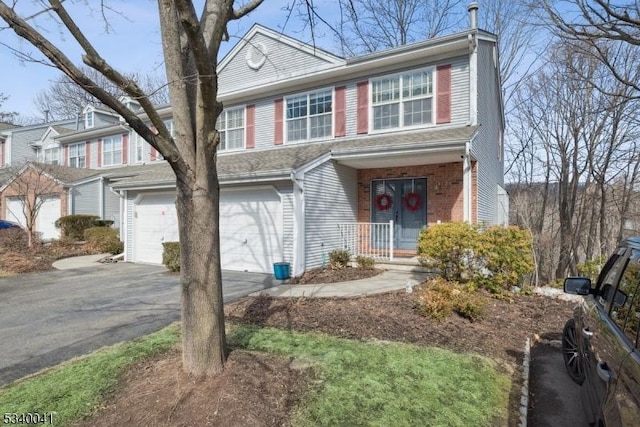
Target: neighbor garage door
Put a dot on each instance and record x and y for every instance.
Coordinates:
(48, 214)
(14, 211)
(250, 229)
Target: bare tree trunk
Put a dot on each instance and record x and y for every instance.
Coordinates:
(203, 336)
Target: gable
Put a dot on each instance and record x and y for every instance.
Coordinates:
(264, 56)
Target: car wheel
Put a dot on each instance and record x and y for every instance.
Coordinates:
(571, 353)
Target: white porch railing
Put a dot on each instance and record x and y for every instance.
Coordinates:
(373, 240)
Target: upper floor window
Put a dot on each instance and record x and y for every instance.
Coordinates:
(112, 150)
(77, 155)
(402, 100)
(309, 116)
(52, 156)
(230, 125)
(139, 146)
(88, 119)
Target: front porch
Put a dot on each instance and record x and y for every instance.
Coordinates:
(394, 204)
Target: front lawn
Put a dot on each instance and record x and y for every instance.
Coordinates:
(349, 382)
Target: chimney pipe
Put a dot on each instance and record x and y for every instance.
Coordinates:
(473, 15)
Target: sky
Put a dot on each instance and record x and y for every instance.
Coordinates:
(131, 44)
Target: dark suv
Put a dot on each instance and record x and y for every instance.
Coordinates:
(601, 345)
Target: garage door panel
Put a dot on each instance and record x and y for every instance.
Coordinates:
(48, 213)
(15, 211)
(250, 229)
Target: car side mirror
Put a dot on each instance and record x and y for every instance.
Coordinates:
(577, 285)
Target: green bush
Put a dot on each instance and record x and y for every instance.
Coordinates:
(591, 268)
(448, 247)
(365, 262)
(73, 226)
(171, 256)
(104, 239)
(438, 298)
(339, 258)
(507, 254)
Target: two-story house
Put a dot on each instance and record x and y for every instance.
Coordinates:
(313, 144)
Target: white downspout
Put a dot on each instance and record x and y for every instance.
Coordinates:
(298, 266)
(466, 184)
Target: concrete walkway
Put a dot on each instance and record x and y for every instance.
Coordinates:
(390, 280)
(79, 262)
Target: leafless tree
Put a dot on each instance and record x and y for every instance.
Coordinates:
(5, 116)
(608, 30)
(30, 185)
(190, 45)
(367, 26)
(64, 99)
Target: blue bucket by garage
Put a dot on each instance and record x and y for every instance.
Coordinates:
(281, 270)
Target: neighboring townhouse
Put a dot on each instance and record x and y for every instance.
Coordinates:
(41, 189)
(18, 144)
(319, 152)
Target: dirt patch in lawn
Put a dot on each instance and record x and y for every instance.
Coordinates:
(260, 390)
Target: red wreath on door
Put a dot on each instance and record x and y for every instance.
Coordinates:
(383, 202)
(412, 201)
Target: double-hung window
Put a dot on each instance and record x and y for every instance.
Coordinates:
(88, 119)
(139, 147)
(51, 155)
(230, 125)
(403, 100)
(77, 155)
(112, 150)
(309, 116)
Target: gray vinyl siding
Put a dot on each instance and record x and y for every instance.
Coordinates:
(86, 199)
(331, 197)
(112, 207)
(485, 146)
(21, 151)
(100, 119)
(283, 61)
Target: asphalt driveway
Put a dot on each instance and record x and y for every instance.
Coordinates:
(50, 317)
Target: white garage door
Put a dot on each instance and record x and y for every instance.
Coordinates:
(155, 222)
(48, 213)
(250, 229)
(14, 211)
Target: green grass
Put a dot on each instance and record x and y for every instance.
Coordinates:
(75, 388)
(358, 383)
(382, 384)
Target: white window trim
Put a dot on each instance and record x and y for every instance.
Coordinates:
(434, 103)
(78, 156)
(244, 129)
(118, 161)
(307, 93)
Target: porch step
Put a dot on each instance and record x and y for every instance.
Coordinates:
(404, 264)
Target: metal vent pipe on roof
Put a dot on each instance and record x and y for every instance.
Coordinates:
(473, 15)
